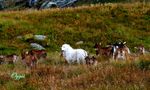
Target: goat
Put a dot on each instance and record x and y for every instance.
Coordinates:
(140, 50)
(91, 60)
(104, 51)
(29, 58)
(2, 59)
(120, 54)
(40, 53)
(10, 59)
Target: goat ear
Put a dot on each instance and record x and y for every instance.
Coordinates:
(135, 47)
(119, 43)
(100, 43)
(124, 42)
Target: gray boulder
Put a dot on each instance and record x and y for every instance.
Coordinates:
(37, 46)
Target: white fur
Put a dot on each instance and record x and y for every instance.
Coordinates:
(15, 58)
(121, 56)
(73, 55)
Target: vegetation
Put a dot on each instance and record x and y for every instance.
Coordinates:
(55, 74)
(95, 23)
(90, 24)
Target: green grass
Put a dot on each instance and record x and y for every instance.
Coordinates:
(106, 24)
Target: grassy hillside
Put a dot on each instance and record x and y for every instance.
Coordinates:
(90, 24)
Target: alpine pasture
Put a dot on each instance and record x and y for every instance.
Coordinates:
(93, 23)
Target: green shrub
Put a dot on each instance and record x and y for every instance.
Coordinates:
(143, 64)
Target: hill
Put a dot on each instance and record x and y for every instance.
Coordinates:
(95, 23)
(90, 24)
(37, 4)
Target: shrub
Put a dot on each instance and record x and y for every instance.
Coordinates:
(143, 64)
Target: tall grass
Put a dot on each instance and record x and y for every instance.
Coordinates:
(52, 75)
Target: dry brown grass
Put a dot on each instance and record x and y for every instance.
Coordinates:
(57, 75)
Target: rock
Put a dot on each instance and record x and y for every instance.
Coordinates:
(39, 37)
(37, 46)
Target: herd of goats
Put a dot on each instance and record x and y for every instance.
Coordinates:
(117, 51)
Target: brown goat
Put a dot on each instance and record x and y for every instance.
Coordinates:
(10, 59)
(104, 51)
(40, 53)
(91, 60)
(29, 58)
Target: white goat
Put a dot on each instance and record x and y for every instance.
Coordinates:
(73, 55)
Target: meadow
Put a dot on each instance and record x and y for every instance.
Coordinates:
(93, 23)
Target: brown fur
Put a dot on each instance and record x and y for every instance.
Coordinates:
(104, 51)
(40, 53)
(132, 57)
(29, 58)
(8, 58)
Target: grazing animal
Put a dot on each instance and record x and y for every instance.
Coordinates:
(104, 51)
(120, 54)
(122, 51)
(116, 51)
(29, 59)
(40, 53)
(73, 55)
(91, 60)
(1, 59)
(123, 45)
(10, 59)
(140, 50)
